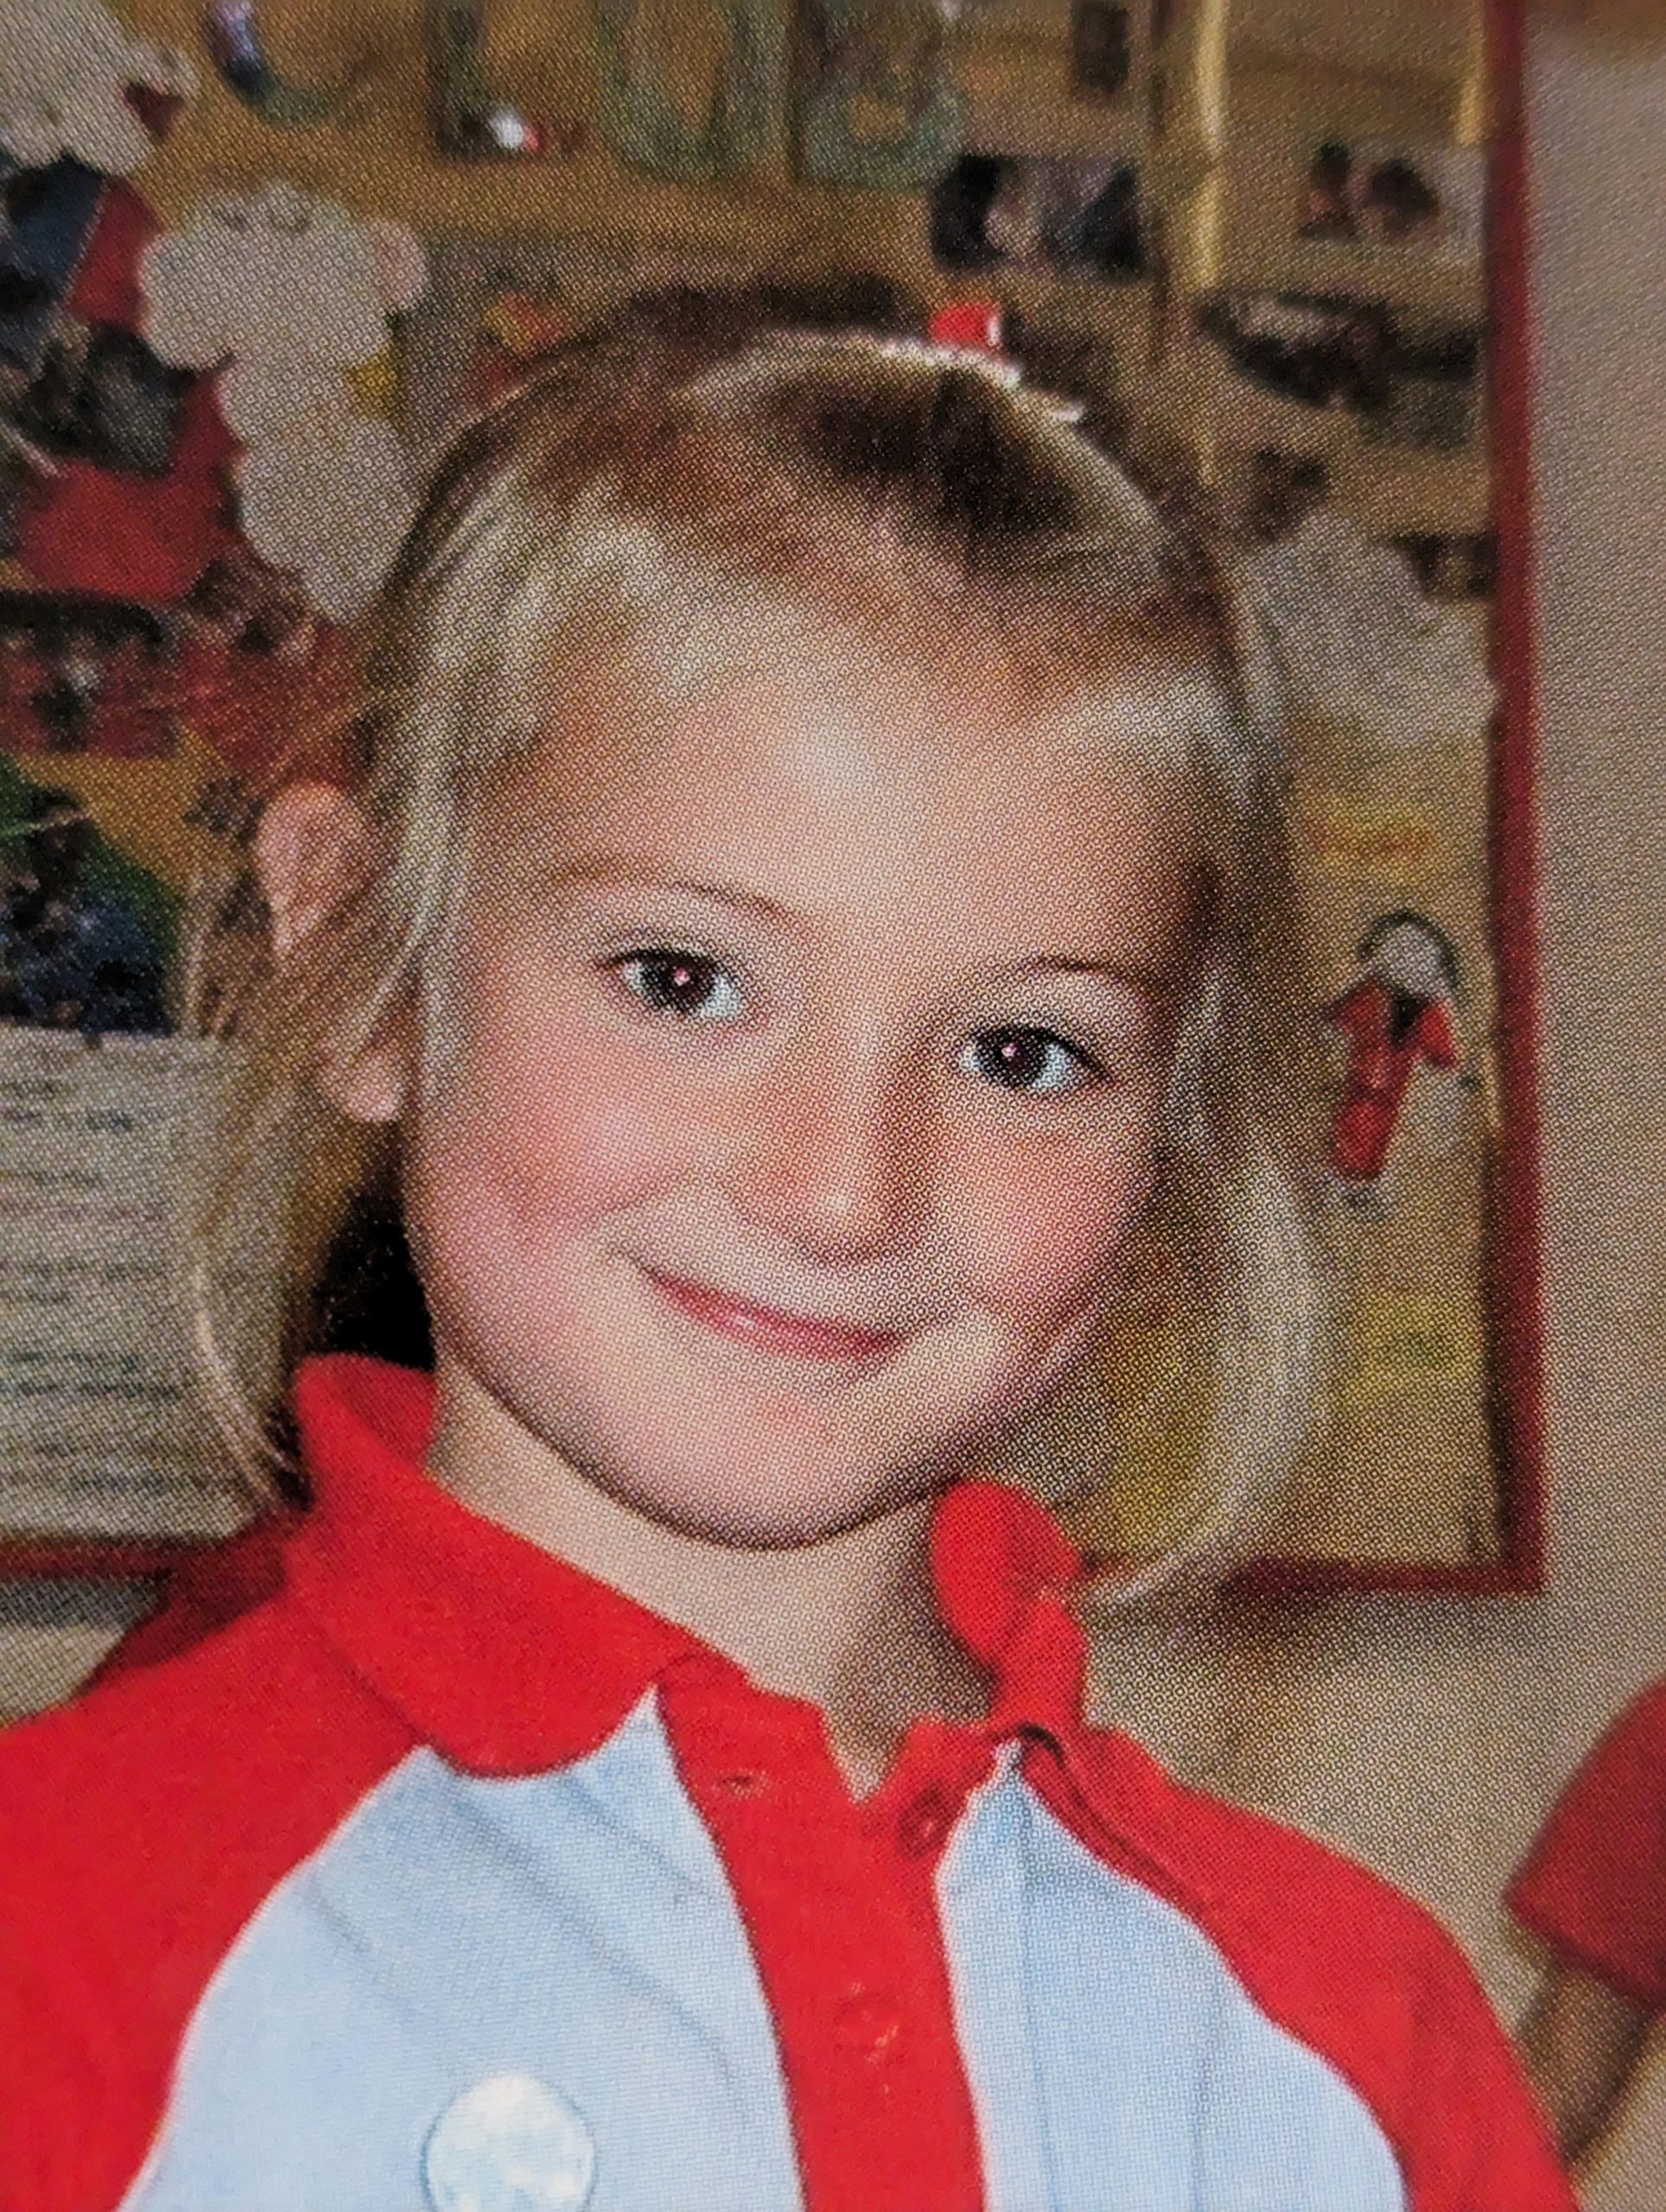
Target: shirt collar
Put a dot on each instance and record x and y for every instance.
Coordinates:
(510, 1661)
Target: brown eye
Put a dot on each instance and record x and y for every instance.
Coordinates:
(1027, 1060)
(689, 985)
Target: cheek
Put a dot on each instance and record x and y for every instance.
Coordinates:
(1043, 1232)
(545, 1128)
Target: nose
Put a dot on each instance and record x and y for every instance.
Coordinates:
(839, 1159)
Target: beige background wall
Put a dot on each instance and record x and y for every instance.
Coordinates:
(1430, 1736)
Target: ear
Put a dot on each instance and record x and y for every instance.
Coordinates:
(310, 848)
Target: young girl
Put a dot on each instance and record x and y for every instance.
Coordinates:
(811, 897)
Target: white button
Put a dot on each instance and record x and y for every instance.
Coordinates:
(509, 2145)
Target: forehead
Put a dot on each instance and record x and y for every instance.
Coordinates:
(864, 794)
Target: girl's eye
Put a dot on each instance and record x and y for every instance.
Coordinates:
(1027, 1059)
(686, 984)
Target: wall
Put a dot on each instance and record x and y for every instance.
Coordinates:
(1428, 1736)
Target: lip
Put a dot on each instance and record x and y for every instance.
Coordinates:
(794, 1336)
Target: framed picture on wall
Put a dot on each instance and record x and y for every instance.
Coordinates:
(108, 808)
(107, 1462)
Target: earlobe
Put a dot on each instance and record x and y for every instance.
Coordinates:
(370, 1088)
(310, 848)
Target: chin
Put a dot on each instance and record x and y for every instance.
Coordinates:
(747, 1501)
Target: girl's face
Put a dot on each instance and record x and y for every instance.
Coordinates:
(803, 1053)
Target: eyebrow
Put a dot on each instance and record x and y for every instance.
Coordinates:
(621, 870)
(1159, 982)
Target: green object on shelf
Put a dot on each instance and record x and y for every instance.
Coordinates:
(905, 73)
(747, 121)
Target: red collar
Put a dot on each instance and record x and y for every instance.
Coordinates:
(511, 1662)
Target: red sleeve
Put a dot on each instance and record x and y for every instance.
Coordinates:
(1367, 1979)
(1593, 1886)
(1373, 1981)
(1472, 2136)
(141, 1827)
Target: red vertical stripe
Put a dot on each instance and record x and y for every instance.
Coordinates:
(842, 1923)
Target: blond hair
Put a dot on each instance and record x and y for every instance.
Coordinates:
(693, 479)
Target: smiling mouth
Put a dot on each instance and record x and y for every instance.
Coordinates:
(795, 1336)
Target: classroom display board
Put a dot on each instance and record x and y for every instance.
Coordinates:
(1275, 244)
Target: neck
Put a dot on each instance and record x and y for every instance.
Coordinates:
(847, 1622)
